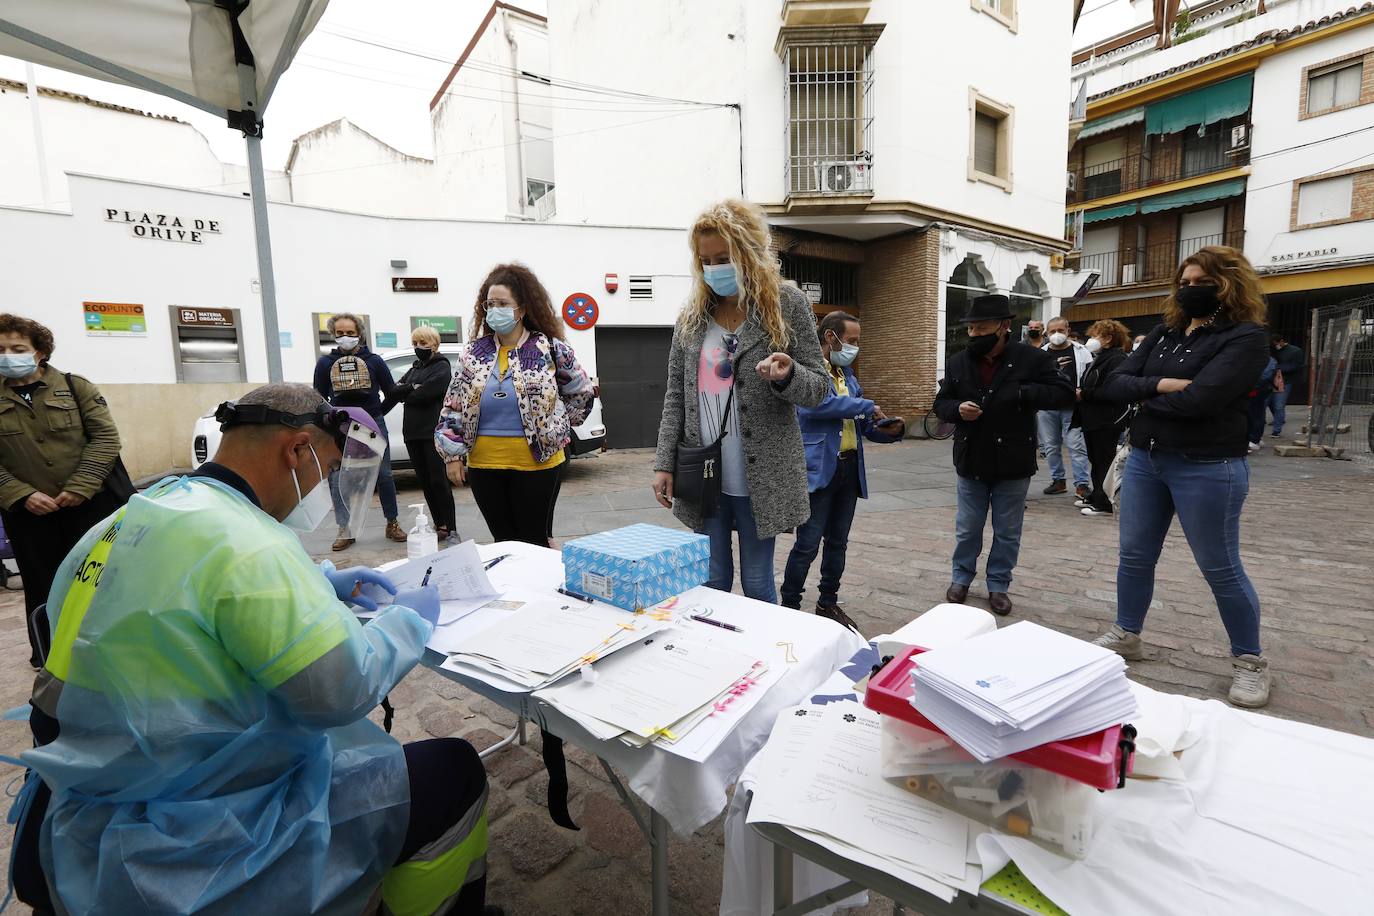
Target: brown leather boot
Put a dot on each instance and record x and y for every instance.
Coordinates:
(394, 531)
(343, 541)
(1000, 602)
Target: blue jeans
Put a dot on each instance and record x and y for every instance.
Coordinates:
(832, 514)
(755, 553)
(1054, 433)
(1277, 401)
(1007, 499)
(1207, 494)
(386, 486)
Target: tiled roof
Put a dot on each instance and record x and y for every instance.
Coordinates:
(1274, 35)
(7, 85)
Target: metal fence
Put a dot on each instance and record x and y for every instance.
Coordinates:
(1341, 376)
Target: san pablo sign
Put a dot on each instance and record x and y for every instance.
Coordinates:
(1303, 255)
(164, 227)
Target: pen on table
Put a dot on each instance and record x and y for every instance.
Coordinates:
(425, 580)
(494, 560)
(717, 623)
(571, 594)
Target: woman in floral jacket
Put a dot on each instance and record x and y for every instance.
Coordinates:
(516, 394)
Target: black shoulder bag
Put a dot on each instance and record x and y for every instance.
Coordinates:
(697, 478)
(117, 482)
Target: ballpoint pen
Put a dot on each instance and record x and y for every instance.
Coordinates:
(494, 560)
(425, 580)
(716, 623)
(572, 594)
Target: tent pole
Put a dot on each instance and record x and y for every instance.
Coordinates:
(258, 186)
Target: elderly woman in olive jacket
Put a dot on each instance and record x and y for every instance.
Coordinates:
(769, 381)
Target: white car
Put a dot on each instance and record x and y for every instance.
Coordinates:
(587, 439)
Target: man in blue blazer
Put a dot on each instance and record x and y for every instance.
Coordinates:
(833, 433)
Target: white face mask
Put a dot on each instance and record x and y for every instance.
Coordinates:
(1093, 345)
(1058, 339)
(347, 343)
(312, 508)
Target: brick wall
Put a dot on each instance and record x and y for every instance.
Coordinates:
(899, 290)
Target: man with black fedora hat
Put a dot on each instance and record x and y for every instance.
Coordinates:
(991, 391)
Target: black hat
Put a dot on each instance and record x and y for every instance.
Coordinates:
(989, 308)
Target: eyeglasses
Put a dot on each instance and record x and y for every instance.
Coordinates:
(725, 369)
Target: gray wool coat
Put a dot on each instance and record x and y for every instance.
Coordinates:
(775, 464)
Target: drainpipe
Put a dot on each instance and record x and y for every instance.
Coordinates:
(519, 134)
(38, 148)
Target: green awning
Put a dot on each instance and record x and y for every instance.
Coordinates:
(1112, 122)
(1105, 213)
(1201, 106)
(1199, 195)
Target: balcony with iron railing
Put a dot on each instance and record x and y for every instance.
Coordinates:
(1148, 263)
(1135, 173)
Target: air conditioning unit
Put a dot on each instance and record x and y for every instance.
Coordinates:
(1128, 273)
(844, 176)
(1240, 136)
(1071, 182)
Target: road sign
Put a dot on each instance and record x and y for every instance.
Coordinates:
(580, 311)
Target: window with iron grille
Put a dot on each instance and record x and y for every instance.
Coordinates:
(641, 287)
(829, 104)
(825, 282)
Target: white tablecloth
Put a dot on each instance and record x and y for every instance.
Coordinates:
(688, 794)
(1269, 816)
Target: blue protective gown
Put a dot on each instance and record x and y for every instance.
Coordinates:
(212, 693)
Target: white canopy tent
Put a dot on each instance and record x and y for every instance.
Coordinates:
(221, 56)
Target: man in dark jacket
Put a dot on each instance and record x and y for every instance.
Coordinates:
(992, 390)
(1290, 361)
(351, 375)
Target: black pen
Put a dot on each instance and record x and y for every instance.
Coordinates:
(494, 560)
(425, 580)
(570, 594)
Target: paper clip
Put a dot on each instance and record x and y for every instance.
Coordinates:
(667, 734)
(589, 658)
(791, 658)
(627, 626)
(669, 604)
(660, 615)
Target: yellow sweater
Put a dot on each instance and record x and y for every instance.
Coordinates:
(507, 453)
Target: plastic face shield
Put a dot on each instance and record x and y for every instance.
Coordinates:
(360, 442)
(354, 482)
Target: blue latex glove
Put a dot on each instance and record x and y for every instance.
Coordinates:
(348, 584)
(423, 601)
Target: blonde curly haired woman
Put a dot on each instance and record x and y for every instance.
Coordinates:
(741, 330)
(1190, 379)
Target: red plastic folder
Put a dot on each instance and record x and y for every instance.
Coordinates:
(1101, 759)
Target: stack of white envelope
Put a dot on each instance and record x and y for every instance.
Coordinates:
(1023, 686)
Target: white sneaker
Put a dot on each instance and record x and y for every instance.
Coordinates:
(1091, 512)
(1254, 447)
(1249, 681)
(1080, 504)
(1123, 643)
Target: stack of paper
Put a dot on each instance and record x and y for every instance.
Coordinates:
(659, 690)
(546, 640)
(457, 572)
(820, 776)
(1020, 687)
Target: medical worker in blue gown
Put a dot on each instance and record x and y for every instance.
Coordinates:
(201, 717)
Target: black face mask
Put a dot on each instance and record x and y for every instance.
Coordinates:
(423, 354)
(979, 347)
(1197, 301)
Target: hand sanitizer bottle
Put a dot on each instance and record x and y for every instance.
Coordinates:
(421, 540)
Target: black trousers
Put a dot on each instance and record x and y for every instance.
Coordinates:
(429, 471)
(516, 505)
(41, 543)
(1101, 447)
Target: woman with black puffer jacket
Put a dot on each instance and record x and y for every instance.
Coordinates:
(1189, 381)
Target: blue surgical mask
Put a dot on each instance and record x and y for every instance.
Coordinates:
(17, 365)
(721, 278)
(845, 355)
(501, 319)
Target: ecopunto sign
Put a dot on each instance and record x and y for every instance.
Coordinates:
(163, 227)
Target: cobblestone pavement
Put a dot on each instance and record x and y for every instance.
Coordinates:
(1307, 541)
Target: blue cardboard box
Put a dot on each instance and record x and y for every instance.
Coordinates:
(637, 566)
